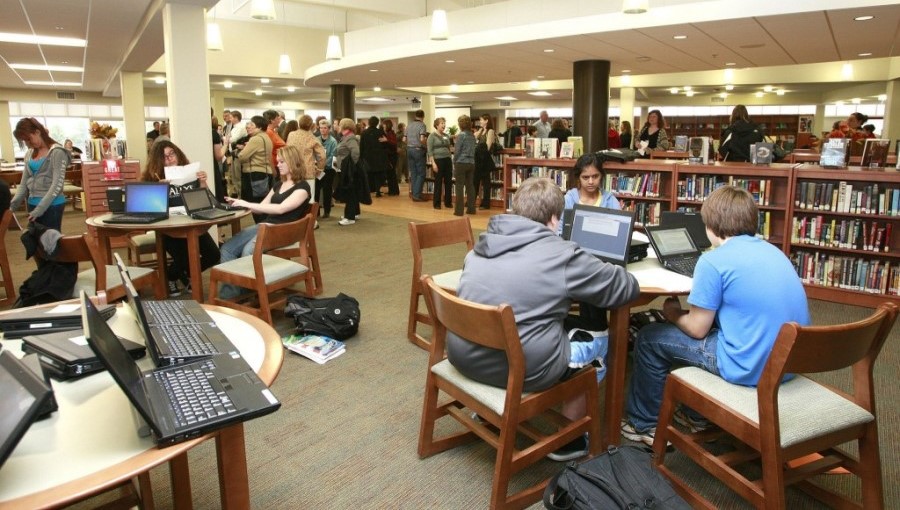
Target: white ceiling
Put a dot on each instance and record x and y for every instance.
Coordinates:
(127, 35)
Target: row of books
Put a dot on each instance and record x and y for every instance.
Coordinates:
(698, 187)
(845, 198)
(645, 185)
(549, 148)
(496, 189)
(764, 228)
(645, 213)
(320, 349)
(558, 175)
(851, 234)
(849, 273)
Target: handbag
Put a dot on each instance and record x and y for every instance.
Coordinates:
(259, 187)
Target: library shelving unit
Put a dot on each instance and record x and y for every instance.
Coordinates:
(841, 233)
(712, 125)
(517, 169)
(645, 186)
(497, 186)
(769, 185)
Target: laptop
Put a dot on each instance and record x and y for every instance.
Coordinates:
(66, 355)
(201, 205)
(145, 202)
(175, 331)
(21, 322)
(604, 233)
(692, 221)
(185, 401)
(24, 395)
(674, 248)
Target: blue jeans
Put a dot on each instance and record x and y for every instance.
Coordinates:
(240, 245)
(416, 159)
(658, 348)
(52, 217)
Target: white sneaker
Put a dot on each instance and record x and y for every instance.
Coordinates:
(345, 222)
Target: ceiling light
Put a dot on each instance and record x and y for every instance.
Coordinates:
(768, 88)
(42, 67)
(333, 51)
(284, 64)
(679, 37)
(674, 90)
(450, 61)
(540, 76)
(506, 98)
(729, 87)
(863, 18)
(779, 92)
(730, 64)
(549, 50)
(724, 95)
(258, 92)
(729, 75)
(214, 37)
(291, 88)
(446, 96)
(228, 84)
(626, 79)
(470, 82)
(376, 88)
(882, 97)
(635, 6)
(688, 88)
(454, 87)
(373, 70)
(533, 84)
(542, 93)
(866, 54)
(626, 71)
(262, 9)
(47, 40)
(847, 71)
(159, 80)
(378, 100)
(839, 103)
(689, 93)
(54, 83)
(856, 100)
(760, 94)
(440, 30)
(264, 80)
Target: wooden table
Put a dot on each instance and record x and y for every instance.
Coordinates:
(177, 225)
(91, 444)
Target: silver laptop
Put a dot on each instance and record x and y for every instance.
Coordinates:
(201, 205)
(604, 233)
(674, 248)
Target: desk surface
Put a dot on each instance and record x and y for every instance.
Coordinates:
(174, 222)
(91, 443)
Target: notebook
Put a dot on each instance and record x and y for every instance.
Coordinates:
(692, 221)
(201, 205)
(24, 394)
(184, 401)
(20, 322)
(175, 331)
(145, 202)
(674, 248)
(604, 233)
(66, 354)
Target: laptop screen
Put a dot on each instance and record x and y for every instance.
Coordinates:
(672, 241)
(604, 233)
(23, 394)
(146, 197)
(133, 299)
(196, 199)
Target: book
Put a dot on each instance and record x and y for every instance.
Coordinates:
(567, 150)
(761, 153)
(681, 143)
(577, 146)
(834, 153)
(315, 347)
(875, 153)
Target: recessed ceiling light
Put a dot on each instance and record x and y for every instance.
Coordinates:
(59, 27)
(674, 90)
(549, 50)
(723, 95)
(446, 96)
(856, 100)
(540, 93)
(506, 98)
(48, 40)
(264, 80)
(688, 88)
(470, 82)
(729, 88)
(863, 18)
(689, 93)
(42, 67)
(626, 79)
(679, 37)
(534, 84)
(373, 70)
(540, 76)
(768, 88)
(730, 63)
(292, 88)
(454, 87)
(450, 61)
(159, 80)
(54, 83)
(228, 84)
(63, 61)
(779, 92)
(626, 71)
(760, 94)
(377, 99)
(882, 97)
(258, 92)
(643, 59)
(336, 80)
(376, 88)
(866, 54)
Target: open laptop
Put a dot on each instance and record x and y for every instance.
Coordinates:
(20, 322)
(184, 401)
(674, 248)
(604, 233)
(65, 355)
(201, 205)
(145, 202)
(24, 394)
(692, 221)
(175, 331)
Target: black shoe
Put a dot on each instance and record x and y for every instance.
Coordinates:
(438, 207)
(574, 449)
(378, 195)
(470, 212)
(174, 291)
(448, 206)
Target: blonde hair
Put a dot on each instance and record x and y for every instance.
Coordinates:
(539, 199)
(347, 124)
(291, 155)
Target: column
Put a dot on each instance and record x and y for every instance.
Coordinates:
(7, 149)
(218, 105)
(132, 85)
(343, 102)
(590, 102)
(891, 127)
(187, 83)
(429, 109)
(626, 108)
(819, 121)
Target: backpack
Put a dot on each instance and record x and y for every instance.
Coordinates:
(622, 477)
(336, 317)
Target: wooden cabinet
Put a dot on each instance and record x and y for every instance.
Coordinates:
(644, 186)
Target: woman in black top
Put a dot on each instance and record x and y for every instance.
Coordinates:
(625, 134)
(738, 136)
(654, 133)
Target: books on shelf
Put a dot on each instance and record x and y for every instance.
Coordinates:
(850, 234)
(320, 349)
(847, 197)
(643, 184)
(875, 153)
(847, 272)
(698, 187)
(834, 153)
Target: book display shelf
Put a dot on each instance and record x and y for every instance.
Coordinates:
(644, 186)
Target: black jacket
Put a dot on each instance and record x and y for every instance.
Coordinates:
(737, 138)
(372, 150)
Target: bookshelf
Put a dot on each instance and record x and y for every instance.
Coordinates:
(780, 126)
(497, 187)
(643, 186)
(517, 169)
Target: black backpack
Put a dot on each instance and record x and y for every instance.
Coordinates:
(336, 317)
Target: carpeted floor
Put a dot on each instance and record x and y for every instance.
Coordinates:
(346, 434)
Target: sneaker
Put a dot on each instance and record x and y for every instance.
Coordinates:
(632, 434)
(174, 290)
(186, 284)
(317, 225)
(694, 425)
(574, 449)
(345, 222)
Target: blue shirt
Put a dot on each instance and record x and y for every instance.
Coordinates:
(753, 288)
(465, 148)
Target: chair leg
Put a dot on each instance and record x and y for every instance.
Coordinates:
(870, 469)
(429, 416)
(265, 313)
(413, 311)
(503, 466)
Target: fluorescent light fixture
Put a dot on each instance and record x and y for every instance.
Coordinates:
(724, 95)
(549, 50)
(635, 6)
(626, 79)
(450, 61)
(376, 88)
(729, 87)
(760, 94)
(779, 92)
(542, 93)
(768, 88)
(376, 99)
(54, 83)
(679, 37)
(689, 93)
(446, 96)
(264, 80)
(440, 30)
(882, 97)
(262, 9)
(866, 54)
(258, 92)
(214, 37)
(730, 63)
(159, 80)
(863, 18)
(291, 88)
(333, 51)
(626, 71)
(454, 87)
(48, 40)
(688, 88)
(228, 84)
(42, 67)
(729, 75)
(534, 84)
(856, 100)
(506, 98)
(674, 90)
(847, 71)
(284, 64)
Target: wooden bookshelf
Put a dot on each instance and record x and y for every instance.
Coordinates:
(643, 186)
(517, 169)
(712, 125)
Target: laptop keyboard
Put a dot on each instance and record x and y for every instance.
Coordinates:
(130, 218)
(168, 312)
(682, 266)
(194, 399)
(187, 340)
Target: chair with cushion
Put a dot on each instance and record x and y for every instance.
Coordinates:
(433, 235)
(269, 277)
(792, 428)
(505, 413)
(83, 248)
(142, 244)
(7, 283)
(293, 252)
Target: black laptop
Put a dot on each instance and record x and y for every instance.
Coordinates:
(674, 248)
(604, 233)
(64, 316)
(66, 354)
(24, 394)
(692, 221)
(145, 202)
(201, 205)
(184, 401)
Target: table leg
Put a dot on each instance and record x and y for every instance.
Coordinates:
(180, 476)
(162, 291)
(617, 358)
(234, 485)
(193, 243)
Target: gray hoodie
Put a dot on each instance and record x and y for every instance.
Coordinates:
(524, 264)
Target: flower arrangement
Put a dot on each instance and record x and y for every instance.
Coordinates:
(102, 130)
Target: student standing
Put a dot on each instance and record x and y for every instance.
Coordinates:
(464, 166)
(439, 150)
(738, 136)
(44, 175)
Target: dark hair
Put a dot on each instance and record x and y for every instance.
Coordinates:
(487, 122)
(740, 112)
(29, 125)
(156, 160)
(290, 127)
(235, 113)
(586, 160)
(305, 122)
(260, 122)
(388, 124)
(269, 115)
(870, 128)
(373, 121)
(861, 118)
(660, 123)
(420, 114)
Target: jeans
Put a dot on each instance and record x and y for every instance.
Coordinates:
(657, 349)
(443, 180)
(240, 245)
(52, 217)
(416, 160)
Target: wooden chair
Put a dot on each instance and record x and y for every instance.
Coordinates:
(7, 282)
(142, 244)
(83, 248)
(72, 188)
(431, 235)
(779, 423)
(505, 411)
(293, 252)
(268, 276)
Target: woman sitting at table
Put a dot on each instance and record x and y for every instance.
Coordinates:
(287, 201)
(164, 153)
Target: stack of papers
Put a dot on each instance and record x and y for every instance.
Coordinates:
(315, 347)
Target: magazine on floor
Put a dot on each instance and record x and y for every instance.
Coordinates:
(320, 349)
